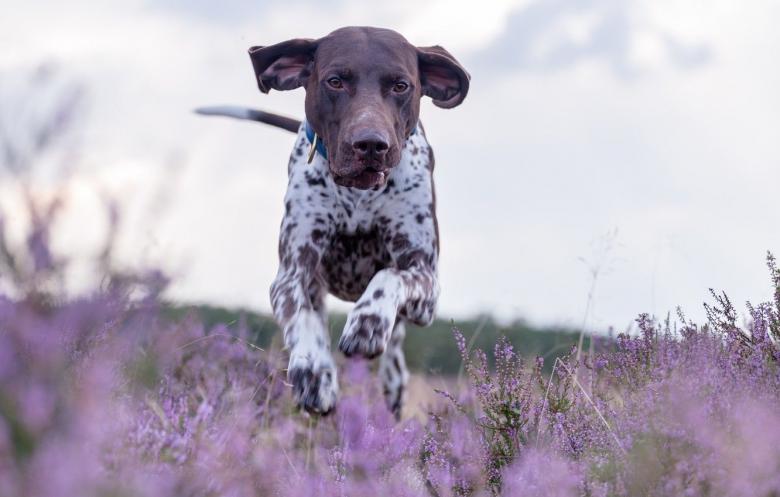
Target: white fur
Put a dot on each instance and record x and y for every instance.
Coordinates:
(317, 210)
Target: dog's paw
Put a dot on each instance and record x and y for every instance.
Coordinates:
(421, 311)
(314, 383)
(367, 331)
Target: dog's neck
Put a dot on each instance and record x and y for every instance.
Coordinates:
(361, 205)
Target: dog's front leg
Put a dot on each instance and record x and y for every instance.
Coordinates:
(410, 290)
(296, 298)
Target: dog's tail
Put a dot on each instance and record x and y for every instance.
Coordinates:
(283, 122)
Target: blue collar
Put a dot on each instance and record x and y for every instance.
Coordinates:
(320, 143)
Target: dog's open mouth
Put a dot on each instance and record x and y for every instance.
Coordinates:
(365, 179)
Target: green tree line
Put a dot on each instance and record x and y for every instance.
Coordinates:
(428, 350)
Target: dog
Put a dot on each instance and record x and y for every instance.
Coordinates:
(360, 208)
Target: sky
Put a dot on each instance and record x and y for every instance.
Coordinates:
(613, 156)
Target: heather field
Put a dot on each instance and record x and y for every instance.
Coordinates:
(112, 394)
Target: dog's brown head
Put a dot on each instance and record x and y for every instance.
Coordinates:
(363, 89)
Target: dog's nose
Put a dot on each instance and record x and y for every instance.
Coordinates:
(370, 145)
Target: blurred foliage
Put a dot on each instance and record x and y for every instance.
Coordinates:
(428, 350)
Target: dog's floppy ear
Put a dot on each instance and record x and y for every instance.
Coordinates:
(284, 66)
(442, 77)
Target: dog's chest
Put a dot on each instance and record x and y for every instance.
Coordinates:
(356, 211)
(356, 229)
(351, 260)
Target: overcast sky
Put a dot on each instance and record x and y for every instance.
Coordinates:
(639, 138)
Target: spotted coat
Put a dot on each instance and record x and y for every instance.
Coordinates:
(378, 248)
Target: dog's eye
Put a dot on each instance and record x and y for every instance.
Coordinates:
(335, 82)
(400, 87)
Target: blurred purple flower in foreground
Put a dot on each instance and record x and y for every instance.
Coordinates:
(103, 395)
